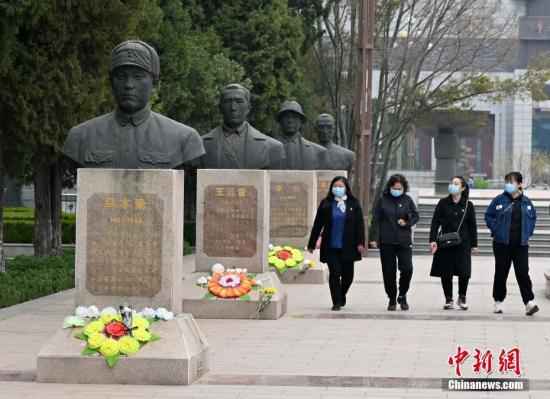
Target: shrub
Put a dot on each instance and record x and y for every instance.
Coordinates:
(30, 277)
(480, 183)
(19, 226)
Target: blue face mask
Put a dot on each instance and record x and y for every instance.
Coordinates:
(396, 193)
(510, 188)
(454, 189)
(339, 191)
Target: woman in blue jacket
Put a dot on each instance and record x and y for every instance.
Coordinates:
(511, 217)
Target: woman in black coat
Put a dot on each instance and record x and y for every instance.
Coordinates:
(393, 217)
(339, 222)
(456, 260)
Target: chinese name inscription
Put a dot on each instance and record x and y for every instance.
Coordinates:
(289, 213)
(230, 221)
(124, 245)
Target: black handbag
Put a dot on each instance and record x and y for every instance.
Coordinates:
(453, 239)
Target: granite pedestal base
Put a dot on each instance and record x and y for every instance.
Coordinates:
(196, 302)
(179, 358)
(315, 275)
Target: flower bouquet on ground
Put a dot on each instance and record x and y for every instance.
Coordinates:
(111, 333)
(225, 283)
(284, 258)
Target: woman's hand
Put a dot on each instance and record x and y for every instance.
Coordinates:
(433, 247)
(475, 250)
(318, 243)
(373, 244)
(361, 249)
(402, 222)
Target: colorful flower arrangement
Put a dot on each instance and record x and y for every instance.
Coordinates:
(283, 258)
(229, 283)
(111, 333)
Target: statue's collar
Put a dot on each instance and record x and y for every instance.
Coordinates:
(291, 139)
(232, 130)
(135, 119)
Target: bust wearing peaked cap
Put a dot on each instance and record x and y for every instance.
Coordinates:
(132, 136)
(301, 154)
(337, 157)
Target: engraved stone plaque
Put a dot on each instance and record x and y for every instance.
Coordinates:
(230, 221)
(124, 241)
(289, 210)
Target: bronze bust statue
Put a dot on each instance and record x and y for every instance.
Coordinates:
(237, 144)
(132, 136)
(337, 157)
(301, 154)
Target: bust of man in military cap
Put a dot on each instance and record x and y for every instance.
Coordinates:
(301, 154)
(237, 144)
(132, 136)
(337, 157)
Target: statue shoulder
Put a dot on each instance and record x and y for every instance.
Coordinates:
(211, 134)
(343, 150)
(91, 124)
(257, 135)
(173, 127)
(314, 146)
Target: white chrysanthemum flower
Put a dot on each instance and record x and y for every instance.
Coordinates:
(202, 280)
(218, 268)
(93, 312)
(81, 311)
(109, 310)
(148, 313)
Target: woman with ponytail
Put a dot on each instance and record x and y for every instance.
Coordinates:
(453, 237)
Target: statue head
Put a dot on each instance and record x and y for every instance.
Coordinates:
(325, 128)
(235, 104)
(135, 69)
(291, 118)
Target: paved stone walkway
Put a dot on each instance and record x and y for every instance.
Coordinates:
(361, 352)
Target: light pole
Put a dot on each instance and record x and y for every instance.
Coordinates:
(363, 102)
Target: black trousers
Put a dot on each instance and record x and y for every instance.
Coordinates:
(395, 257)
(505, 255)
(447, 284)
(340, 276)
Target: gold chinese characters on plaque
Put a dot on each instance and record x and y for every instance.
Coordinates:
(124, 245)
(289, 213)
(322, 189)
(230, 221)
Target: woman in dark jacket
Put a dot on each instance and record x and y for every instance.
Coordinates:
(339, 222)
(454, 260)
(393, 217)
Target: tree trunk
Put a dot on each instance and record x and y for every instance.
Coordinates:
(47, 213)
(2, 191)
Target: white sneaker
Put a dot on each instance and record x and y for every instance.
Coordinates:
(498, 307)
(461, 302)
(531, 308)
(449, 305)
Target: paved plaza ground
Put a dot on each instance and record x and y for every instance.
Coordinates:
(360, 352)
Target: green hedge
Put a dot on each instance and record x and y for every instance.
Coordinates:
(19, 226)
(30, 277)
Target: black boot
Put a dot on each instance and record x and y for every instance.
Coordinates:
(403, 302)
(392, 305)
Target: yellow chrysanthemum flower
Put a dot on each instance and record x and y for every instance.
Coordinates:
(142, 335)
(270, 290)
(107, 318)
(94, 327)
(272, 260)
(96, 340)
(140, 322)
(290, 263)
(110, 348)
(279, 264)
(128, 345)
(277, 248)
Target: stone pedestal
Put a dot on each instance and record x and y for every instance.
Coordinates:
(232, 219)
(129, 238)
(179, 358)
(232, 229)
(293, 206)
(324, 178)
(203, 307)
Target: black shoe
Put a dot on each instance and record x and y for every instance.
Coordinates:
(402, 300)
(392, 306)
(336, 308)
(343, 302)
